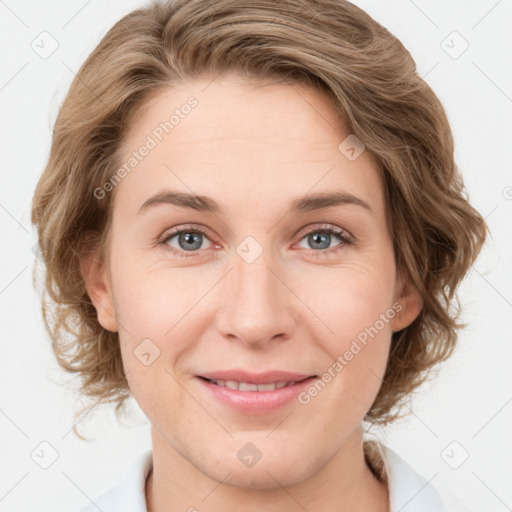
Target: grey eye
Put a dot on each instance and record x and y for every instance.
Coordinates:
(187, 240)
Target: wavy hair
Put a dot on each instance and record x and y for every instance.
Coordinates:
(330, 45)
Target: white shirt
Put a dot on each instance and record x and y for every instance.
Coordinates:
(408, 491)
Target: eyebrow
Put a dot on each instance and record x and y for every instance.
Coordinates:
(304, 204)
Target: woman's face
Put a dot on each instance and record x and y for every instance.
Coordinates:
(255, 283)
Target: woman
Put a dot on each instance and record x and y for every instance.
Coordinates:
(252, 223)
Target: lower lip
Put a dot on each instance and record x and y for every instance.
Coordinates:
(256, 402)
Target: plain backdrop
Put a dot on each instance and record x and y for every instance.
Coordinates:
(465, 412)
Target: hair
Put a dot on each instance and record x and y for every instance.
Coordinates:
(329, 45)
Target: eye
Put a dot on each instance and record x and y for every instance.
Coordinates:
(320, 237)
(190, 240)
(187, 240)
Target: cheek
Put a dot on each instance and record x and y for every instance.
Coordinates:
(352, 298)
(355, 307)
(152, 298)
(151, 309)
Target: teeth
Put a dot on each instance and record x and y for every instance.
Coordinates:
(266, 387)
(243, 386)
(246, 386)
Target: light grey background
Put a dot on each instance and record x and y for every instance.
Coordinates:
(469, 403)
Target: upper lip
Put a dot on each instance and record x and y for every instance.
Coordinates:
(255, 378)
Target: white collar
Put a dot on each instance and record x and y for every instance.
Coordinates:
(408, 491)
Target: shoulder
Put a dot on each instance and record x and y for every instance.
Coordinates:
(411, 492)
(129, 493)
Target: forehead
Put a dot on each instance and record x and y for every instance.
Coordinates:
(241, 138)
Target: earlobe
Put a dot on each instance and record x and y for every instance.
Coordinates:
(411, 303)
(98, 286)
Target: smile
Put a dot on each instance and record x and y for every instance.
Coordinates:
(248, 397)
(247, 386)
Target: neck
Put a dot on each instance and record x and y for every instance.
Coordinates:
(345, 481)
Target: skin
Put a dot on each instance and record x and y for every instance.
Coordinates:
(297, 307)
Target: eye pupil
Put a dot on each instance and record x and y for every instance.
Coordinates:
(190, 239)
(318, 238)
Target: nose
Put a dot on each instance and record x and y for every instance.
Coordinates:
(257, 305)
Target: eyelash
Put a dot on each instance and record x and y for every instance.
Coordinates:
(326, 228)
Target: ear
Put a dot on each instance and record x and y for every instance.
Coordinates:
(97, 282)
(409, 298)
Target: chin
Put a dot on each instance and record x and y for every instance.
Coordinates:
(272, 471)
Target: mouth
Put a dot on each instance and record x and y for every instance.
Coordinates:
(251, 386)
(248, 393)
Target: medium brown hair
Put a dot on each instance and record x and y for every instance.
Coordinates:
(330, 45)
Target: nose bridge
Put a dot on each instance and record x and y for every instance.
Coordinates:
(256, 307)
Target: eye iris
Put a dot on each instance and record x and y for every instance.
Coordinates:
(320, 238)
(190, 239)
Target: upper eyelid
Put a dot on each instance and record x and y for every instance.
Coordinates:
(320, 226)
